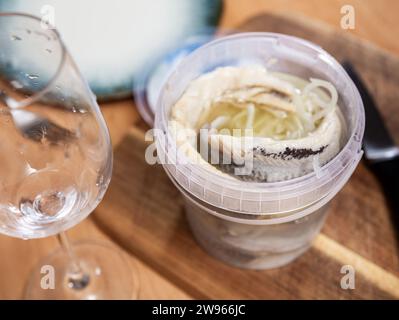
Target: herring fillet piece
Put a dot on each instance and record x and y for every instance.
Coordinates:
(271, 160)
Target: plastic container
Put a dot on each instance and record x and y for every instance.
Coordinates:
(259, 225)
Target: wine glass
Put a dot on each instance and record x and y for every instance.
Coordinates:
(55, 162)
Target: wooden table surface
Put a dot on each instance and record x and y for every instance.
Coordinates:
(376, 20)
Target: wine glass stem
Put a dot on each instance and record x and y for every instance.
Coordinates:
(76, 277)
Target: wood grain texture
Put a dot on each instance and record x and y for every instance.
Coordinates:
(143, 212)
(22, 255)
(376, 20)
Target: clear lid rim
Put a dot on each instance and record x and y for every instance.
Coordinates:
(288, 188)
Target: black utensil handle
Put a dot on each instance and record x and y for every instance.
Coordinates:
(387, 173)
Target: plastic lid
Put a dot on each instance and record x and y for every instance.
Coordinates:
(255, 200)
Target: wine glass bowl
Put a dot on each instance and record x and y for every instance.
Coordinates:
(58, 158)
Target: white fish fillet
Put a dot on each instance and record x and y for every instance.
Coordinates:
(281, 160)
(267, 159)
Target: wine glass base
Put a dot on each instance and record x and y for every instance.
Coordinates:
(108, 275)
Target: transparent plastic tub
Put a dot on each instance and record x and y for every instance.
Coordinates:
(248, 224)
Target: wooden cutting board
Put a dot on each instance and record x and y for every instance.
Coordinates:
(143, 211)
